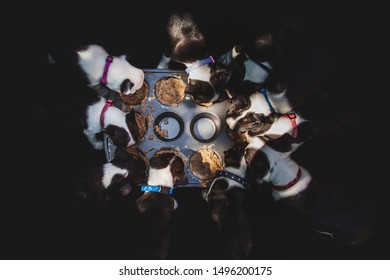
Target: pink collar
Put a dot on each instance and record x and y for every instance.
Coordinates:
(109, 59)
(289, 185)
(109, 103)
(292, 118)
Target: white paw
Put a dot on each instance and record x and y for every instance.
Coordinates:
(163, 66)
(99, 145)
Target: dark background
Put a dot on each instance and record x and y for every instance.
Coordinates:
(41, 219)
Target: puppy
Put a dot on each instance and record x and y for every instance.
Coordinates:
(99, 115)
(156, 204)
(114, 178)
(293, 185)
(226, 196)
(250, 62)
(187, 46)
(292, 127)
(91, 64)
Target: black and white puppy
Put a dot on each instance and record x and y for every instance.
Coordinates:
(187, 46)
(93, 65)
(156, 204)
(292, 127)
(117, 177)
(226, 197)
(249, 62)
(99, 116)
(114, 72)
(294, 185)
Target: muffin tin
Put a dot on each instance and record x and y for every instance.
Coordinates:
(189, 125)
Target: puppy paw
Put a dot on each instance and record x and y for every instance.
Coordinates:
(98, 145)
(162, 66)
(164, 62)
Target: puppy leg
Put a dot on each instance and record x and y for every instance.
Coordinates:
(91, 136)
(164, 62)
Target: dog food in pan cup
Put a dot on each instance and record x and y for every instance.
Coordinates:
(138, 97)
(204, 163)
(168, 126)
(170, 90)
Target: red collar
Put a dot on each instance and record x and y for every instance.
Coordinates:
(289, 185)
(109, 59)
(292, 118)
(109, 103)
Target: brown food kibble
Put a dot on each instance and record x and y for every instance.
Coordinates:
(204, 163)
(141, 124)
(170, 91)
(138, 97)
(150, 119)
(161, 132)
(151, 137)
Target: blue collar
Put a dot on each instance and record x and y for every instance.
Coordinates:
(232, 176)
(200, 63)
(264, 92)
(157, 189)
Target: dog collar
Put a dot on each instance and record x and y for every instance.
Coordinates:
(289, 185)
(157, 189)
(109, 103)
(232, 176)
(200, 63)
(109, 60)
(264, 92)
(293, 118)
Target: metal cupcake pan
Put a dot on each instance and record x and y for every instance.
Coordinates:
(189, 125)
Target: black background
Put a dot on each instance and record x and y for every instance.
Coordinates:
(40, 218)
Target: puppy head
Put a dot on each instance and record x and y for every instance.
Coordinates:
(165, 158)
(254, 123)
(207, 92)
(251, 65)
(124, 77)
(125, 135)
(236, 83)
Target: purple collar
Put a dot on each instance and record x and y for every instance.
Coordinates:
(200, 63)
(109, 59)
(109, 103)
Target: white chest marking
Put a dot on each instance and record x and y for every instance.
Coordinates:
(109, 171)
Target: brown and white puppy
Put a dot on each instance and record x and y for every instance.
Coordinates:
(91, 64)
(226, 197)
(292, 127)
(187, 46)
(293, 185)
(101, 116)
(250, 62)
(114, 72)
(117, 177)
(156, 204)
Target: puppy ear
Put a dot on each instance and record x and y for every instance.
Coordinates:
(282, 143)
(178, 171)
(132, 124)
